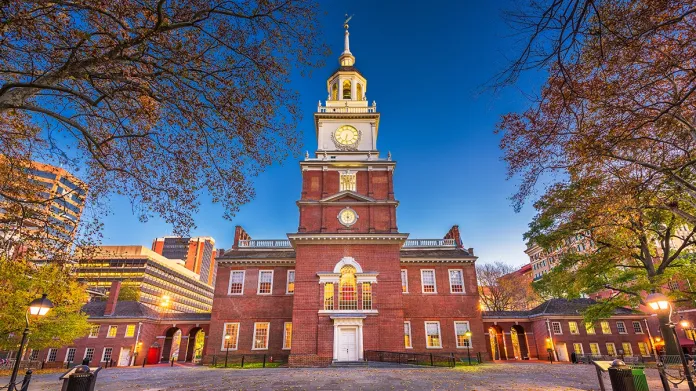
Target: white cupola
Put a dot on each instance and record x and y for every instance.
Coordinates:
(346, 87)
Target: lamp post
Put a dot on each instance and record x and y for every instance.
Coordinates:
(38, 307)
(661, 305)
(227, 345)
(468, 345)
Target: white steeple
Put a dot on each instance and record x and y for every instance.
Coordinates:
(346, 58)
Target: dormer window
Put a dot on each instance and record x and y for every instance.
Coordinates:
(346, 89)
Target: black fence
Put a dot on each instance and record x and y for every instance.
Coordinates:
(588, 358)
(249, 360)
(427, 359)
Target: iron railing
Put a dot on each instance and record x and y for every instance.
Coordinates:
(426, 359)
(430, 243)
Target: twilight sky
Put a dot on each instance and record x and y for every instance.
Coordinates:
(425, 66)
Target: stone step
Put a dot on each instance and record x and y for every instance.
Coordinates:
(349, 364)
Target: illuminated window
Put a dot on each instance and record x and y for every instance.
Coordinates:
(456, 280)
(94, 331)
(627, 348)
(573, 327)
(334, 91)
(347, 290)
(329, 296)
(236, 282)
(359, 91)
(404, 281)
(428, 281)
(577, 348)
(432, 335)
(130, 330)
(605, 327)
(637, 327)
(261, 336)
(265, 282)
(407, 335)
(594, 348)
(644, 349)
(291, 282)
(287, 336)
(106, 355)
(366, 296)
(231, 329)
(621, 327)
(348, 181)
(346, 89)
(611, 349)
(556, 327)
(112, 332)
(589, 327)
(460, 330)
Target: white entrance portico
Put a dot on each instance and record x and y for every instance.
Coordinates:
(348, 337)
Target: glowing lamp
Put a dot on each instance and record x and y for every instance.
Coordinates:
(40, 307)
(657, 301)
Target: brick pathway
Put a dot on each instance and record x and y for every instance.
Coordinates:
(498, 377)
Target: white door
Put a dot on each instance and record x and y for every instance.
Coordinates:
(562, 352)
(347, 346)
(124, 358)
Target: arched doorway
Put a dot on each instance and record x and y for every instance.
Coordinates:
(196, 340)
(519, 342)
(495, 333)
(172, 341)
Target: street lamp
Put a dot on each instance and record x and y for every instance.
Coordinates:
(468, 345)
(38, 307)
(660, 304)
(227, 344)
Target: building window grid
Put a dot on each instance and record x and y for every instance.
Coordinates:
(627, 348)
(456, 280)
(329, 296)
(460, 330)
(573, 328)
(590, 328)
(577, 348)
(236, 286)
(594, 348)
(429, 285)
(366, 296)
(637, 327)
(261, 335)
(621, 327)
(644, 349)
(130, 331)
(556, 328)
(265, 282)
(432, 335)
(606, 329)
(106, 356)
(34, 355)
(611, 349)
(89, 354)
(347, 289)
(407, 335)
(233, 330)
(94, 331)
(70, 355)
(52, 353)
(290, 288)
(287, 335)
(404, 281)
(113, 330)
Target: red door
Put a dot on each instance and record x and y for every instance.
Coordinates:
(153, 355)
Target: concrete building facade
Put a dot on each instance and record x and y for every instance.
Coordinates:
(198, 254)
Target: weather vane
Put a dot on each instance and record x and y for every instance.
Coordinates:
(348, 18)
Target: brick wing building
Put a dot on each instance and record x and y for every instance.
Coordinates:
(348, 281)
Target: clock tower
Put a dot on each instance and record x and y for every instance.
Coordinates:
(347, 275)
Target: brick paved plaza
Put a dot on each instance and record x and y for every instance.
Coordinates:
(517, 377)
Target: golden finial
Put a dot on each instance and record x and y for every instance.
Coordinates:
(348, 18)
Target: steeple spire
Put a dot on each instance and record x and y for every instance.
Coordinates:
(346, 58)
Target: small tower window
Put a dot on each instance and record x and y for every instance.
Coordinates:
(334, 91)
(346, 89)
(348, 181)
(359, 92)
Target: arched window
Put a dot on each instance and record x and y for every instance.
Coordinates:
(359, 92)
(348, 291)
(334, 91)
(346, 89)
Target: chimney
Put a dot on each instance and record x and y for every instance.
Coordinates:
(239, 234)
(453, 233)
(471, 251)
(113, 298)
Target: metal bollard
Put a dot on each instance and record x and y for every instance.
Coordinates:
(25, 382)
(621, 377)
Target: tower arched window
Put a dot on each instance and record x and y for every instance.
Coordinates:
(346, 89)
(334, 91)
(359, 91)
(348, 290)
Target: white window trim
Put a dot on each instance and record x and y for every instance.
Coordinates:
(126, 332)
(268, 336)
(410, 335)
(625, 353)
(236, 340)
(85, 356)
(449, 277)
(602, 328)
(108, 331)
(287, 283)
(104, 353)
(90, 331)
(624, 326)
(606, 345)
(582, 348)
(48, 355)
(67, 353)
(639, 325)
(468, 328)
(560, 328)
(599, 351)
(647, 349)
(229, 284)
(439, 332)
(258, 285)
(570, 329)
(434, 282)
(285, 335)
(402, 283)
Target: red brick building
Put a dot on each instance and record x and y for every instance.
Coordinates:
(348, 281)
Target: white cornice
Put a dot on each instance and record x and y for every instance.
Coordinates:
(259, 261)
(439, 260)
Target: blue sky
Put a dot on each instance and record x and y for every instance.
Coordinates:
(425, 67)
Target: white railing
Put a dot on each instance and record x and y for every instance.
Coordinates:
(270, 243)
(347, 109)
(430, 243)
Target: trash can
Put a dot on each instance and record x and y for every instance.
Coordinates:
(621, 377)
(639, 380)
(80, 378)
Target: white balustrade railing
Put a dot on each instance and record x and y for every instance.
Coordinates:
(430, 243)
(347, 109)
(268, 243)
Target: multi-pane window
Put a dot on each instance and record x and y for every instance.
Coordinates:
(70, 355)
(231, 329)
(261, 335)
(407, 335)
(605, 327)
(112, 332)
(456, 280)
(347, 289)
(106, 356)
(366, 296)
(236, 282)
(644, 349)
(556, 327)
(94, 331)
(89, 354)
(265, 282)
(34, 355)
(589, 327)
(621, 327)
(577, 348)
(594, 348)
(460, 330)
(329, 296)
(573, 328)
(130, 331)
(637, 327)
(432, 335)
(611, 349)
(627, 348)
(291, 282)
(428, 281)
(52, 353)
(404, 281)
(348, 181)
(287, 335)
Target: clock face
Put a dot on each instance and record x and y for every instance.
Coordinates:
(347, 217)
(346, 135)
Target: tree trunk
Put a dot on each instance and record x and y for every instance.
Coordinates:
(671, 344)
